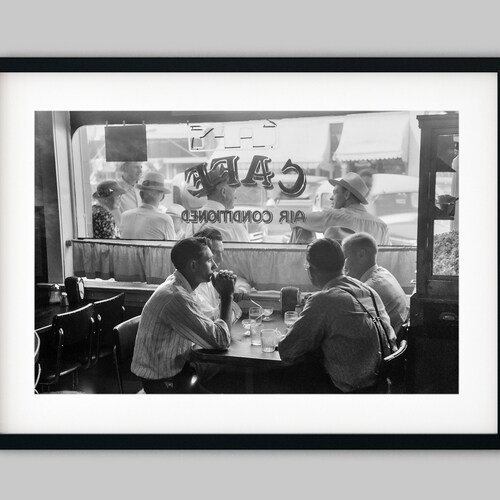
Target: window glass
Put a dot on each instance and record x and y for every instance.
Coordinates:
(286, 148)
(446, 206)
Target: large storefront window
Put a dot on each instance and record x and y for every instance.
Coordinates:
(283, 166)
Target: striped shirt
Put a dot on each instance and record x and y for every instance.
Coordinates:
(335, 323)
(171, 322)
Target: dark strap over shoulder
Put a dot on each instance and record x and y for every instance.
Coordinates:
(385, 347)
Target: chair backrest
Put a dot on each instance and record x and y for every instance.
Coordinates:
(393, 366)
(77, 329)
(125, 334)
(108, 314)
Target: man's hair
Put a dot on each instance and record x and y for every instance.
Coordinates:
(148, 196)
(362, 241)
(187, 250)
(210, 233)
(326, 255)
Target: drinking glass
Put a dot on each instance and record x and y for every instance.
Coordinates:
(255, 313)
(255, 334)
(267, 310)
(246, 325)
(290, 318)
(268, 339)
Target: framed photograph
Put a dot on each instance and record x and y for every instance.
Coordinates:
(285, 136)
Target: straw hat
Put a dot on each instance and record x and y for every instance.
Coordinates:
(153, 181)
(107, 188)
(354, 184)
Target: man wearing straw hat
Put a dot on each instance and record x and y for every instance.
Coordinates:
(348, 211)
(147, 222)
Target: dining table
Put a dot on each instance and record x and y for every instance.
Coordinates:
(241, 354)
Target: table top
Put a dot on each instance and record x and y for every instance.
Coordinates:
(241, 353)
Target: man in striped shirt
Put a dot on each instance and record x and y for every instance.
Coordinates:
(171, 321)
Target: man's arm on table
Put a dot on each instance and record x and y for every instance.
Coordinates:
(306, 334)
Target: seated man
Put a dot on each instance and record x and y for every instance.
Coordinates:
(147, 222)
(360, 252)
(348, 197)
(209, 298)
(337, 324)
(171, 321)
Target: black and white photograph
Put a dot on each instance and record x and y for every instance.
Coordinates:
(239, 249)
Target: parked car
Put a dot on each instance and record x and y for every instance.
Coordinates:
(393, 198)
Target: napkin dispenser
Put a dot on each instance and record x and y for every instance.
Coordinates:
(289, 299)
(55, 296)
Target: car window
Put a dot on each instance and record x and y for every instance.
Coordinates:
(394, 203)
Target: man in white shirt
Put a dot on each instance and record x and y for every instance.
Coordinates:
(220, 199)
(348, 198)
(131, 172)
(147, 222)
(361, 263)
(209, 298)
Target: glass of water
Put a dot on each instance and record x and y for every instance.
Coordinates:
(290, 318)
(255, 313)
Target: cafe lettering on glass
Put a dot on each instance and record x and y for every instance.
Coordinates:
(258, 174)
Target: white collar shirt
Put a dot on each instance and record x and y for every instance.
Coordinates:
(391, 293)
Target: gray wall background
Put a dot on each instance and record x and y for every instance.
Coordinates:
(255, 28)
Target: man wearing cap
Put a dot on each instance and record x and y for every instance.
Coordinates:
(360, 252)
(220, 198)
(337, 326)
(107, 196)
(147, 222)
(348, 198)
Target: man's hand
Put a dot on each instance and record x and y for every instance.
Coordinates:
(224, 282)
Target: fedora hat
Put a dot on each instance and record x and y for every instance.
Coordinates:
(214, 177)
(354, 184)
(153, 181)
(107, 188)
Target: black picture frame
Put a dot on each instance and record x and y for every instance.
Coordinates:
(252, 441)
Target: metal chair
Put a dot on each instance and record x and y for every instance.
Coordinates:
(68, 347)
(108, 314)
(393, 370)
(124, 336)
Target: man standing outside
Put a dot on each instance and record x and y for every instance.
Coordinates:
(220, 197)
(348, 198)
(360, 252)
(147, 222)
(171, 321)
(131, 172)
(336, 325)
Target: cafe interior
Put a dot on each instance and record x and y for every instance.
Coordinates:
(90, 291)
